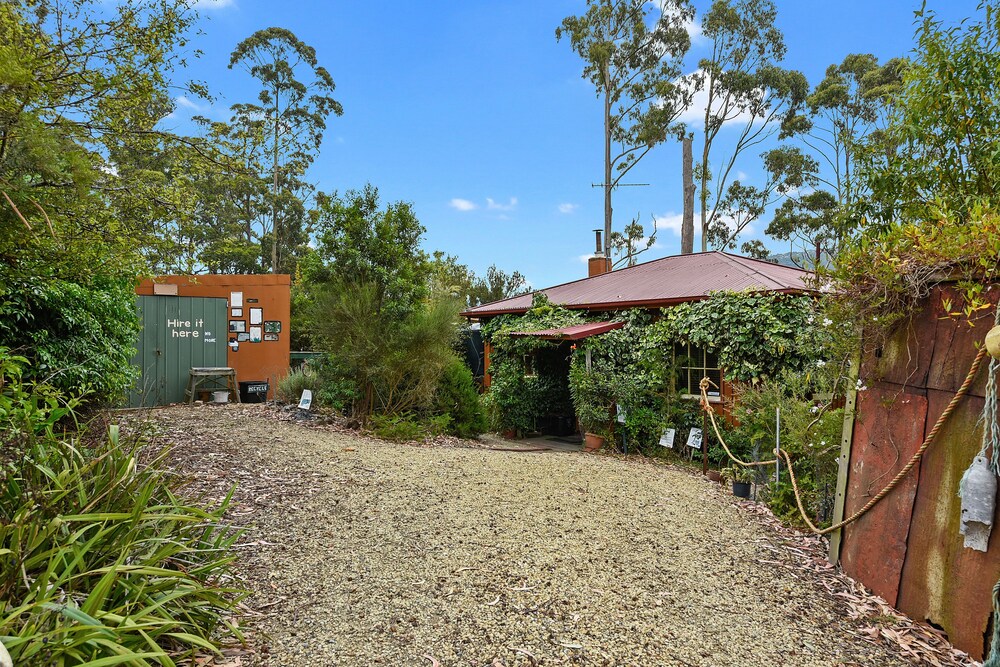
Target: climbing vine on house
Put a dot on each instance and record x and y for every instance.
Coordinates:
(780, 349)
(755, 335)
(521, 390)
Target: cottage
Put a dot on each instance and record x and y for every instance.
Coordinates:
(651, 286)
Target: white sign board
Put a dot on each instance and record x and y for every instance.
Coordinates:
(694, 438)
(667, 439)
(621, 414)
(306, 401)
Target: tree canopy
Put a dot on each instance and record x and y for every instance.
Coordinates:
(632, 52)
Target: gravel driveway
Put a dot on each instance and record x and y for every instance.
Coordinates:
(372, 553)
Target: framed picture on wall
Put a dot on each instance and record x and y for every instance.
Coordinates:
(237, 312)
(270, 336)
(272, 326)
(237, 326)
(255, 334)
(256, 316)
(243, 337)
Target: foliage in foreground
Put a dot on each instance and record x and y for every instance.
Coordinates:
(100, 561)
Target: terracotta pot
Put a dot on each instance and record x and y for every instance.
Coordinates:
(715, 475)
(592, 442)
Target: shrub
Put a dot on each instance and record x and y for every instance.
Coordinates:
(336, 388)
(458, 399)
(408, 427)
(291, 386)
(75, 334)
(393, 362)
(593, 399)
(99, 559)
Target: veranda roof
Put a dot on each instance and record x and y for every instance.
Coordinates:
(662, 282)
(575, 332)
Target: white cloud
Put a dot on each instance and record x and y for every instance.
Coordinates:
(585, 258)
(462, 204)
(671, 221)
(694, 30)
(568, 208)
(187, 103)
(497, 206)
(694, 115)
(741, 176)
(213, 4)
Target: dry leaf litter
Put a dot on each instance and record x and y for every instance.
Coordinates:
(454, 552)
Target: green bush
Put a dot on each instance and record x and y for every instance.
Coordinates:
(99, 559)
(75, 334)
(290, 387)
(336, 388)
(408, 427)
(458, 399)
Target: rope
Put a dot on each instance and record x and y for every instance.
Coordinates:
(991, 427)
(704, 385)
(962, 391)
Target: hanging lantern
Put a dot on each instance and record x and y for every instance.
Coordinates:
(978, 490)
(993, 342)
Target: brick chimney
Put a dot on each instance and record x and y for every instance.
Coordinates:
(598, 264)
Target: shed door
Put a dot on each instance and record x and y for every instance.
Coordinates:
(178, 332)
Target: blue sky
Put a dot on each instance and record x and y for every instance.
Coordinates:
(474, 113)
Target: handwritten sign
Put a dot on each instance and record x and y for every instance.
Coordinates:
(185, 328)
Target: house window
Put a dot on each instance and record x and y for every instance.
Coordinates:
(693, 363)
(529, 365)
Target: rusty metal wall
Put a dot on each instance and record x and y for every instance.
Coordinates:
(908, 549)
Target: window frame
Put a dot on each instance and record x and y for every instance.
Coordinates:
(695, 353)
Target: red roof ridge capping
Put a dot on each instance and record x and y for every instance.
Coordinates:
(662, 282)
(574, 332)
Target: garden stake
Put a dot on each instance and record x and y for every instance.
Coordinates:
(704, 445)
(777, 442)
(962, 391)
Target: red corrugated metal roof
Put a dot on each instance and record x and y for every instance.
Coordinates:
(575, 332)
(663, 282)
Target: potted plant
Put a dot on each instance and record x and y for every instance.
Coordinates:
(592, 403)
(741, 477)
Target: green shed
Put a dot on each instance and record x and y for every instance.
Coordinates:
(178, 333)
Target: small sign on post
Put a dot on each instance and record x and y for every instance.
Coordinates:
(667, 439)
(306, 401)
(694, 438)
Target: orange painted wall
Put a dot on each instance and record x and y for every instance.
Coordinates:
(266, 360)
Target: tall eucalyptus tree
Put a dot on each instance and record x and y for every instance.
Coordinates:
(632, 52)
(292, 107)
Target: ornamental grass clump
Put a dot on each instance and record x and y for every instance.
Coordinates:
(101, 562)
